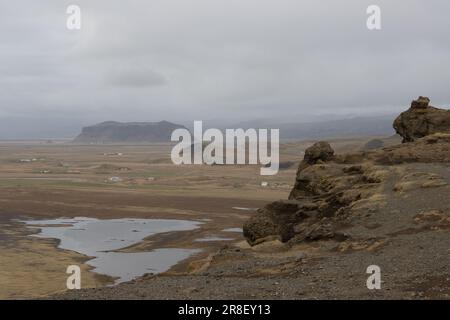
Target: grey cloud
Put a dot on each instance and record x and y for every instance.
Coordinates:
(134, 77)
(178, 59)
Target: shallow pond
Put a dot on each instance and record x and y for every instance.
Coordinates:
(100, 239)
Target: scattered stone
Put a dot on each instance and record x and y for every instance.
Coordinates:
(300, 257)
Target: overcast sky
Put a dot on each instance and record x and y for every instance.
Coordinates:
(149, 60)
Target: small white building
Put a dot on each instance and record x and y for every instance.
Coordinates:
(115, 179)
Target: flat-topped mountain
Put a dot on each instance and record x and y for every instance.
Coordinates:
(127, 132)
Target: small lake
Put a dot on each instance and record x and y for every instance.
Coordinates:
(101, 238)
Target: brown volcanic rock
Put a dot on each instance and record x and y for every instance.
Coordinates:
(323, 190)
(276, 219)
(329, 196)
(422, 120)
(333, 192)
(434, 148)
(421, 103)
(319, 151)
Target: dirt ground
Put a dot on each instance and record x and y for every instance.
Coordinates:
(40, 180)
(58, 179)
(406, 235)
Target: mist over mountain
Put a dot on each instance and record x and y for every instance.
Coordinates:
(326, 126)
(355, 126)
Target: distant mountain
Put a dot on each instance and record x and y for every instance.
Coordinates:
(127, 132)
(352, 127)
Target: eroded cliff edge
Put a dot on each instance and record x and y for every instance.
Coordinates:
(368, 195)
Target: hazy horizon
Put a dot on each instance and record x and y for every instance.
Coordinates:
(67, 129)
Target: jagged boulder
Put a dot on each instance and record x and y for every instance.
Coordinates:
(420, 103)
(324, 190)
(318, 151)
(422, 120)
(332, 192)
(275, 219)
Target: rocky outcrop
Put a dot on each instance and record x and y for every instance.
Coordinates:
(322, 192)
(320, 151)
(434, 148)
(332, 192)
(422, 120)
(129, 132)
(276, 219)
